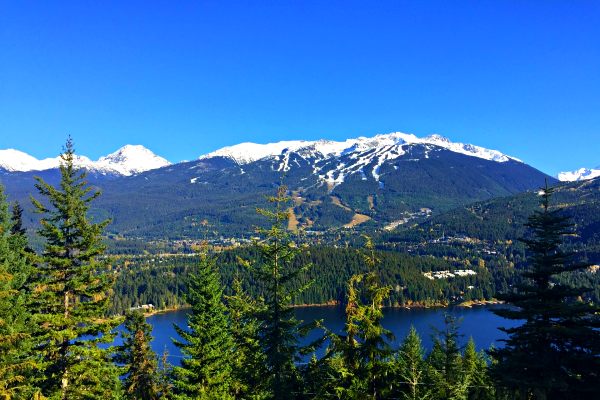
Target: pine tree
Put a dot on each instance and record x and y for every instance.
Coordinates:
(411, 369)
(555, 353)
(17, 219)
(249, 361)
(279, 331)
(475, 373)
(138, 359)
(445, 363)
(165, 372)
(364, 349)
(71, 291)
(206, 371)
(16, 361)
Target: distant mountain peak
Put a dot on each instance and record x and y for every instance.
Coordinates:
(581, 174)
(131, 159)
(128, 160)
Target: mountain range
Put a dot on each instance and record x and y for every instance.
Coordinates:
(365, 182)
(581, 174)
(128, 160)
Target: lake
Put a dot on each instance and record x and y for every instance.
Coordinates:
(479, 322)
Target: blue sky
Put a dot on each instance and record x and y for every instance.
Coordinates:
(187, 77)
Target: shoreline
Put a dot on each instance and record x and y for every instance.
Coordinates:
(416, 305)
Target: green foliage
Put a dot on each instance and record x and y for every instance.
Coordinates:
(364, 349)
(160, 280)
(71, 288)
(140, 369)
(445, 363)
(249, 361)
(16, 361)
(555, 353)
(206, 370)
(410, 369)
(475, 374)
(279, 331)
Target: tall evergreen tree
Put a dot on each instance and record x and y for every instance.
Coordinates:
(279, 331)
(164, 375)
(71, 291)
(17, 219)
(206, 371)
(475, 373)
(364, 349)
(410, 369)
(445, 363)
(138, 359)
(555, 353)
(249, 361)
(16, 363)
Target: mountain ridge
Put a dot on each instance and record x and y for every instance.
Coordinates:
(128, 160)
(581, 174)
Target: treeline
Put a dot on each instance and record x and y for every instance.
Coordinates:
(56, 330)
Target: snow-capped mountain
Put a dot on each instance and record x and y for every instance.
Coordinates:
(131, 159)
(244, 153)
(334, 161)
(128, 160)
(581, 174)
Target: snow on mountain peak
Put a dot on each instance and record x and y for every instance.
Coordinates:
(128, 160)
(581, 174)
(244, 153)
(131, 159)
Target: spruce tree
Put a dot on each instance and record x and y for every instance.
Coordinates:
(17, 219)
(206, 343)
(249, 361)
(279, 331)
(364, 363)
(71, 291)
(16, 361)
(164, 375)
(445, 363)
(140, 369)
(555, 352)
(410, 369)
(475, 373)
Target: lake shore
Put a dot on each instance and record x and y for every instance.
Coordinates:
(335, 303)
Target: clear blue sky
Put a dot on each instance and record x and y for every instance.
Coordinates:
(187, 77)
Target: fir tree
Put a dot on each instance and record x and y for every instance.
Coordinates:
(16, 361)
(71, 291)
(555, 353)
(163, 380)
(445, 363)
(411, 370)
(17, 219)
(279, 330)
(138, 359)
(249, 361)
(364, 349)
(475, 373)
(206, 371)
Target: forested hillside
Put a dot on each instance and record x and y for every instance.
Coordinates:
(161, 280)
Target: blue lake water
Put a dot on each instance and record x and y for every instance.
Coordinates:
(479, 322)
